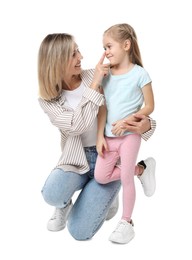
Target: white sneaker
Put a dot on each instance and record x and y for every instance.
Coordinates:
(113, 209)
(59, 218)
(123, 233)
(148, 177)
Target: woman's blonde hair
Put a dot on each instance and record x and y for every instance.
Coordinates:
(122, 32)
(54, 54)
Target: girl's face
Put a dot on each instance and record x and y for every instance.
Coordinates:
(74, 64)
(116, 52)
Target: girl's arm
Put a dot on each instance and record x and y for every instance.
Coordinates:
(101, 143)
(139, 122)
(148, 101)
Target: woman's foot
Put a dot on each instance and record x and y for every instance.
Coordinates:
(113, 208)
(58, 221)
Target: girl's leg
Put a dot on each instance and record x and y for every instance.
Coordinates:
(105, 168)
(139, 169)
(60, 187)
(128, 153)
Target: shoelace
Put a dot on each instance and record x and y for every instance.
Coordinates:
(121, 225)
(58, 214)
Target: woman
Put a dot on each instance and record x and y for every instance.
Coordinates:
(71, 99)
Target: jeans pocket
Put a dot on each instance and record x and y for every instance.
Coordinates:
(91, 154)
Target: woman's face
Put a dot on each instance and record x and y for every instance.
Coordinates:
(74, 66)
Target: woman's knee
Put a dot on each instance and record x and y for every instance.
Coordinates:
(79, 233)
(51, 191)
(79, 229)
(52, 198)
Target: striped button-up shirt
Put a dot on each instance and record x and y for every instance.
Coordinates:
(72, 123)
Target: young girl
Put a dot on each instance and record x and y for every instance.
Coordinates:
(126, 87)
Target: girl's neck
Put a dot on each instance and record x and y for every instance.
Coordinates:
(121, 69)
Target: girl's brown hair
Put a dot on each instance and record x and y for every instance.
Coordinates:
(122, 32)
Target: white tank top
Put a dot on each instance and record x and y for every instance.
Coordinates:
(73, 98)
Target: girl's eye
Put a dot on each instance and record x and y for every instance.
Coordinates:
(108, 47)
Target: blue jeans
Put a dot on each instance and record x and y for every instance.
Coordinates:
(91, 207)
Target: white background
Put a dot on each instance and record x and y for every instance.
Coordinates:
(29, 144)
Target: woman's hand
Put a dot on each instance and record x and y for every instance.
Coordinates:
(101, 70)
(137, 124)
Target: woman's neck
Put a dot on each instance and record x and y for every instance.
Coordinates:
(72, 83)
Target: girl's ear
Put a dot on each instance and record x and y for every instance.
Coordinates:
(127, 45)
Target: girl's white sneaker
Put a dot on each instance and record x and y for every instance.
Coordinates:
(123, 233)
(148, 177)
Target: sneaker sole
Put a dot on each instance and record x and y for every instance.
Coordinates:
(122, 241)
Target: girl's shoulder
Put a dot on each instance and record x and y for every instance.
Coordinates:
(140, 69)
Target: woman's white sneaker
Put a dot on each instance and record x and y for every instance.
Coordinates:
(123, 233)
(148, 177)
(58, 221)
(113, 208)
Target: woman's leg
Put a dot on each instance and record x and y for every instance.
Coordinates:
(92, 205)
(91, 208)
(60, 187)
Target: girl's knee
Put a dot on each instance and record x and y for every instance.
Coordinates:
(100, 178)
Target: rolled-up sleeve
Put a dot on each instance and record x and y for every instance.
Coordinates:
(149, 133)
(74, 122)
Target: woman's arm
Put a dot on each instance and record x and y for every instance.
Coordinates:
(77, 122)
(74, 122)
(141, 125)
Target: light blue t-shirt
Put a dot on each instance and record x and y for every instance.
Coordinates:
(123, 95)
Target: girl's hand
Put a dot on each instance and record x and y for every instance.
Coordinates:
(117, 128)
(101, 145)
(101, 70)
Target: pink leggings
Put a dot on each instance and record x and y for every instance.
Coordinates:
(126, 148)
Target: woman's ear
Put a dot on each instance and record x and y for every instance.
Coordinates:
(127, 45)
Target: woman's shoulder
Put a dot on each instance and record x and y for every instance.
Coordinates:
(87, 76)
(49, 105)
(87, 72)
